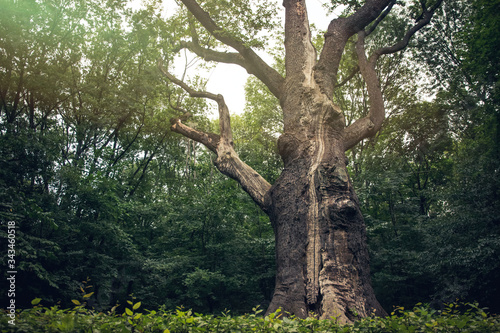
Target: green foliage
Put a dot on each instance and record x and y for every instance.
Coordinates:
(257, 20)
(428, 183)
(95, 182)
(98, 187)
(454, 318)
(255, 17)
(257, 130)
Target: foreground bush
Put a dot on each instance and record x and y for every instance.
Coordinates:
(455, 318)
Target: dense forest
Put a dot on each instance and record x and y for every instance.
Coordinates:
(104, 194)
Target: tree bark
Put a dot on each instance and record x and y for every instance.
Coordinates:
(321, 254)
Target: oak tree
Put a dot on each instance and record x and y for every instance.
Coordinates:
(321, 253)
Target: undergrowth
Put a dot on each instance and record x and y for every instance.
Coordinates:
(454, 318)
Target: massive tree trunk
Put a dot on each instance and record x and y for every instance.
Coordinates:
(321, 252)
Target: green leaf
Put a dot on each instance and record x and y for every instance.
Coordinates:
(129, 312)
(76, 302)
(136, 305)
(36, 301)
(88, 295)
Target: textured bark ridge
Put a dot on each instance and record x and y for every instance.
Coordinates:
(321, 253)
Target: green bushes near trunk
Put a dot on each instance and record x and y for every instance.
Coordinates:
(453, 318)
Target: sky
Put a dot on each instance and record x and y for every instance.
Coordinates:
(229, 80)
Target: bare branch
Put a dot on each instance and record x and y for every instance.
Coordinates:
(354, 71)
(188, 89)
(423, 20)
(208, 54)
(209, 140)
(224, 119)
(228, 161)
(211, 55)
(371, 124)
(368, 126)
(338, 33)
(380, 18)
(253, 63)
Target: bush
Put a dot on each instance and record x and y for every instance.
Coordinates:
(454, 318)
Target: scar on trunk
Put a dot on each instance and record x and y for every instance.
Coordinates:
(300, 9)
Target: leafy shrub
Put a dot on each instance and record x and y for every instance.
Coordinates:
(454, 318)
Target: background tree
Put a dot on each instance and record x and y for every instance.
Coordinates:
(95, 184)
(432, 233)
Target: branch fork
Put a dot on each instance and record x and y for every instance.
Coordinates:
(371, 124)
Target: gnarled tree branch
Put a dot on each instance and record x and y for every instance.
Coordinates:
(253, 63)
(371, 124)
(211, 55)
(209, 140)
(380, 18)
(338, 33)
(422, 21)
(228, 161)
